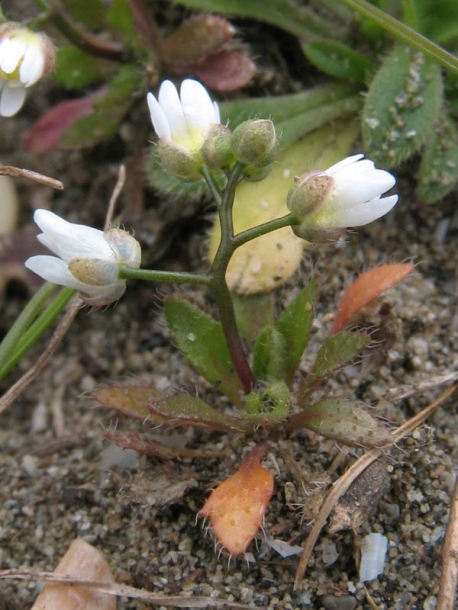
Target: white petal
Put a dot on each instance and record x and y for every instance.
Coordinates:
(360, 214)
(344, 163)
(158, 118)
(12, 51)
(11, 100)
(197, 106)
(54, 270)
(363, 188)
(32, 66)
(171, 106)
(69, 240)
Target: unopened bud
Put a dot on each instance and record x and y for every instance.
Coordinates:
(179, 161)
(256, 174)
(255, 143)
(310, 194)
(216, 151)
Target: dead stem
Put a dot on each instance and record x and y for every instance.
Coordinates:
(17, 172)
(449, 577)
(353, 472)
(176, 601)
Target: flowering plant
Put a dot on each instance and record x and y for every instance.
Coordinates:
(270, 398)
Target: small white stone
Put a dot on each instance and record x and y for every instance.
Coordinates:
(373, 553)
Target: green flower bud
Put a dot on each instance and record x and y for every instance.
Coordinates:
(179, 161)
(255, 143)
(256, 174)
(216, 151)
(310, 194)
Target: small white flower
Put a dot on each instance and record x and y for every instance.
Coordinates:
(25, 58)
(88, 259)
(355, 198)
(185, 119)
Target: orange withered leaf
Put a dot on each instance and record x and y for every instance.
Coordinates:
(236, 507)
(367, 287)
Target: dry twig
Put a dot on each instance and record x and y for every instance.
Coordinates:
(176, 601)
(17, 172)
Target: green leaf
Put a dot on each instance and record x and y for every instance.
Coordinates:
(92, 14)
(344, 421)
(337, 60)
(439, 165)
(120, 17)
(75, 69)
(190, 410)
(201, 340)
(401, 107)
(108, 111)
(297, 115)
(295, 323)
(336, 351)
(253, 313)
(269, 355)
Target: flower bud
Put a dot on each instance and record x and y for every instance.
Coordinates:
(255, 143)
(179, 161)
(216, 151)
(312, 191)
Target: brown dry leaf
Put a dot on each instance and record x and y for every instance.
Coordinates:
(81, 561)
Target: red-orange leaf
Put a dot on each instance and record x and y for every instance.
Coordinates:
(236, 507)
(367, 287)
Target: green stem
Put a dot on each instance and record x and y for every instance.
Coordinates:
(219, 285)
(266, 227)
(212, 185)
(24, 320)
(35, 331)
(405, 33)
(176, 277)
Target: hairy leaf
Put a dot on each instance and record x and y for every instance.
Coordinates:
(236, 507)
(295, 324)
(193, 411)
(201, 339)
(131, 400)
(367, 287)
(439, 164)
(269, 355)
(338, 60)
(335, 352)
(345, 421)
(401, 107)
